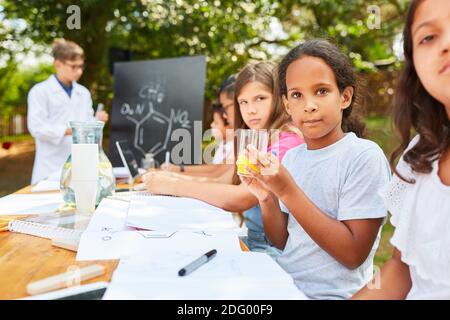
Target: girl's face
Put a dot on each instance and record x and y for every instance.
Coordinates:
(256, 105)
(227, 103)
(314, 101)
(431, 46)
(219, 125)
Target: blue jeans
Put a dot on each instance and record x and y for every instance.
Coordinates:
(258, 242)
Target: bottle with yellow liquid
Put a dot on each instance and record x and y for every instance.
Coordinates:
(88, 132)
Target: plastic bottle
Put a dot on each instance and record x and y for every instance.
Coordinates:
(148, 162)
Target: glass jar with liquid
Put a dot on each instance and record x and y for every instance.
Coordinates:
(88, 132)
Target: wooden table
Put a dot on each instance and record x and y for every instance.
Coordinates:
(25, 258)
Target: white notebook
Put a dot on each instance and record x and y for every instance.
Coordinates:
(64, 225)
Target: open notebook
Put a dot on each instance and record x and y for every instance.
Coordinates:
(60, 225)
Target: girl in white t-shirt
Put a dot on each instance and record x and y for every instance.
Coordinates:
(320, 206)
(419, 195)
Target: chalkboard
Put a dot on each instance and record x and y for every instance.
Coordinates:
(154, 101)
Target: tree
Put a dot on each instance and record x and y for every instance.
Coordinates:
(229, 33)
(351, 24)
(221, 30)
(15, 84)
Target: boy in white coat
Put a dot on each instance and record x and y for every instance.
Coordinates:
(53, 103)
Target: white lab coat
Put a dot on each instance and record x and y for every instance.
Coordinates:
(49, 111)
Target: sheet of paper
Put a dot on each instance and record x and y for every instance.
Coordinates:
(158, 212)
(226, 276)
(226, 264)
(111, 245)
(110, 216)
(36, 204)
(46, 185)
(106, 235)
(194, 289)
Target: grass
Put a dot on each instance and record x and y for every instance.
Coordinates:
(17, 138)
(385, 248)
(379, 129)
(16, 165)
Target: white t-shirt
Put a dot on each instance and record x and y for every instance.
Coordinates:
(224, 153)
(343, 180)
(421, 216)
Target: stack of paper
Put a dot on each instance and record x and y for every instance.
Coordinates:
(110, 246)
(227, 276)
(150, 259)
(191, 289)
(30, 204)
(162, 213)
(103, 238)
(108, 237)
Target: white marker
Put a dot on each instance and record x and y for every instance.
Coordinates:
(100, 107)
(167, 157)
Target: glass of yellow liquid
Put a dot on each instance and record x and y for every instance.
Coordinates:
(257, 138)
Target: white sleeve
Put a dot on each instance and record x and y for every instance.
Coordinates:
(38, 120)
(395, 193)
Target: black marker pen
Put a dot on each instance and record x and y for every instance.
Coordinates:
(197, 263)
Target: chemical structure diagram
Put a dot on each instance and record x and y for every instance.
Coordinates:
(148, 118)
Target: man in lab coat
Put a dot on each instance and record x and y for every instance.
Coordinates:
(53, 103)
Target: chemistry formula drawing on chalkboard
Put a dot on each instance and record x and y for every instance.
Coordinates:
(152, 100)
(145, 113)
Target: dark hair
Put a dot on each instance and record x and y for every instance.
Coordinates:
(343, 71)
(218, 108)
(415, 108)
(227, 86)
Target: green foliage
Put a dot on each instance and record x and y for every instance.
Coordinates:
(380, 129)
(229, 33)
(15, 84)
(352, 25)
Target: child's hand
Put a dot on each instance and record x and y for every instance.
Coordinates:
(256, 188)
(160, 183)
(101, 116)
(269, 172)
(169, 167)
